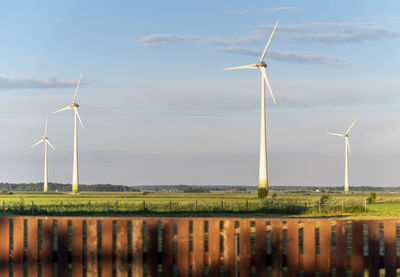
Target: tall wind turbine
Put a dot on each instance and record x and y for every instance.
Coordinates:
(46, 141)
(263, 175)
(346, 147)
(74, 106)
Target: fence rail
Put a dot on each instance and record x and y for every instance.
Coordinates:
(145, 246)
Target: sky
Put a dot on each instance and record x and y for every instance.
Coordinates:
(159, 109)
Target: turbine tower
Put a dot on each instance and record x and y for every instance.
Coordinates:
(263, 175)
(346, 147)
(46, 141)
(74, 106)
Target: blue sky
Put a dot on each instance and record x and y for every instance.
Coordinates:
(159, 109)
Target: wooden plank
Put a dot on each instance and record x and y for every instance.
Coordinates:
(4, 246)
(183, 247)
(309, 248)
(277, 248)
(341, 248)
(228, 235)
(62, 252)
(390, 247)
(357, 266)
(77, 247)
(107, 247)
(33, 247)
(261, 248)
(292, 248)
(137, 247)
(152, 241)
(167, 247)
(122, 248)
(91, 254)
(213, 247)
(325, 248)
(198, 247)
(47, 247)
(18, 246)
(373, 248)
(244, 248)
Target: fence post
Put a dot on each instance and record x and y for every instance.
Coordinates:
(3, 206)
(365, 205)
(247, 204)
(61, 205)
(170, 205)
(144, 205)
(32, 207)
(89, 205)
(196, 205)
(116, 205)
(222, 204)
(342, 206)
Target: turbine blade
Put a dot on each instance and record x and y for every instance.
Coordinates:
(45, 129)
(77, 114)
(269, 40)
(264, 74)
(351, 126)
(51, 145)
(40, 141)
(63, 109)
(77, 87)
(336, 134)
(242, 66)
(348, 145)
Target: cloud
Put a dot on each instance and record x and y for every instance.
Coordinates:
(280, 9)
(48, 82)
(290, 56)
(335, 32)
(251, 9)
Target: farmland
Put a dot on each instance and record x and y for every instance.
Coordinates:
(285, 203)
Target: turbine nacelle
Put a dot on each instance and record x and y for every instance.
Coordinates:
(261, 64)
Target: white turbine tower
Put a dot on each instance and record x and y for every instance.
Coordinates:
(46, 141)
(346, 147)
(74, 106)
(263, 175)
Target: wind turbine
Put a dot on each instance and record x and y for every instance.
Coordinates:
(46, 141)
(263, 176)
(346, 147)
(74, 106)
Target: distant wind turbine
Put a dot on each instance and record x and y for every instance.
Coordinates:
(46, 141)
(346, 147)
(74, 106)
(263, 175)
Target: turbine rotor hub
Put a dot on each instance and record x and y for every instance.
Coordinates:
(74, 105)
(261, 64)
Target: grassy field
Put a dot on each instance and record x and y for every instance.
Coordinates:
(286, 203)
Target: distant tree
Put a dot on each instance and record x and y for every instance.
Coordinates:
(274, 195)
(262, 193)
(196, 190)
(372, 198)
(323, 201)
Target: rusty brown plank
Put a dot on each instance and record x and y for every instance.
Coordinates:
(325, 248)
(183, 247)
(292, 247)
(373, 248)
(261, 248)
(357, 266)
(167, 247)
(277, 248)
(341, 248)
(137, 247)
(4, 246)
(18, 249)
(152, 242)
(47, 247)
(309, 248)
(62, 252)
(198, 247)
(228, 235)
(122, 248)
(33, 249)
(91, 242)
(107, 247)
(213, 247)
(390, 247)
(77, 247)
(244, 248)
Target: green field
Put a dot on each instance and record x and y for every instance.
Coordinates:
(286, 203)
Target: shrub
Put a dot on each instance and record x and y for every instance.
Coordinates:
(145, 192)
(324, 200)
(4, 191)
(262, 193)
(372, 198)
(274, 195)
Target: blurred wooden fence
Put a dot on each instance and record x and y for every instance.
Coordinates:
(62, 246)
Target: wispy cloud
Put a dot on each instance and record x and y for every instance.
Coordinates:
(335, 32)
(280, 9)
(290, 56)
(269, 10)
(48, 82)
